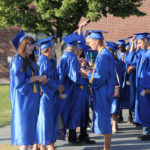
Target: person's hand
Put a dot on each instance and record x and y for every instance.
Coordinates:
(130, 69)
(91, 64)
(147, 91)
(144, 92)
(133, 38)
(42, 79)
(45, 81)
(83, 63)
(61, 89)
(84, 73)
(84, 23)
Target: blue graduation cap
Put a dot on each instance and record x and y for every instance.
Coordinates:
(71, 39)
(87, 33)
(97, 34)
(149, 38)
(127, 45)
(112, 45)
(18, 38)
(45, 43)
(121, 42)
(142, 35)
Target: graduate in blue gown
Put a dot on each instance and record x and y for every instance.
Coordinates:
(90, 54)
(24, 92)
(112, 47)
(125, 90)
(47, 125)
(85, 101)
(142, 111)
(68, 69)
(102, 80)
(131, 71)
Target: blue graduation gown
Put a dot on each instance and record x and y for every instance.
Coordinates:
(85, 103)
(125, 91)
(103, 86)
(24, 102)
(68, 69)
(136, 62)
(132, 78)
(142, 111)
(48, 118)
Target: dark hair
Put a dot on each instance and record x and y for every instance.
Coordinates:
(21, 51)
(114, 54)
(82, 55)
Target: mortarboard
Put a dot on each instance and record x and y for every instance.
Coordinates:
(112, 45)
(97, 34)
(127, 45)
(149, 38)
(71, 39)
(45, 43)
(121, 42)
(142, 35)
(18, 38)
(88, 32)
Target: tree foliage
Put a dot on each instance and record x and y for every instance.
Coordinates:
(49, 16)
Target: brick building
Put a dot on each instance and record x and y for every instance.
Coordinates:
(117, 28)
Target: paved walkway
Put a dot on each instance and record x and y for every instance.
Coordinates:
(125, 139)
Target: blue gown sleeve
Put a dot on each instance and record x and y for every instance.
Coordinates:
(101, 71)
(145, 81)
(52, 82)
(22, 82)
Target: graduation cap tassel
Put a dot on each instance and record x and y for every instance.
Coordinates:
(40, 92)
(34, 85)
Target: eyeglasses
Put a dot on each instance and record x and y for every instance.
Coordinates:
(30, 44)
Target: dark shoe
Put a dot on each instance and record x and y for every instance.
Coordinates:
(144, 137)
(86, 140)
(75, 143)
(120, 119)
(136, 124)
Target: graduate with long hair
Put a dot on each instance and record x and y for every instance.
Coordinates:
(24, 92)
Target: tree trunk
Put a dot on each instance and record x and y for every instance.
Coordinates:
(58, 48)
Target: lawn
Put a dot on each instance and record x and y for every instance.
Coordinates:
(5, 106)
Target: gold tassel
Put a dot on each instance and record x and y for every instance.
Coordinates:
(34, 85)
(91, 81)
(40, 92)
(81, 87)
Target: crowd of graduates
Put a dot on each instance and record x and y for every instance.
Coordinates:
(92, 73)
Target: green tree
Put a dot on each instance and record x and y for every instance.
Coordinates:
(59, 16)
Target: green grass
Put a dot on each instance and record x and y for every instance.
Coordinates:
(5, 106)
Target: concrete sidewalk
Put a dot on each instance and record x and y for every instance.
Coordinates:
(125, 139)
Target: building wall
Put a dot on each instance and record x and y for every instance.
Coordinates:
(118, 28)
